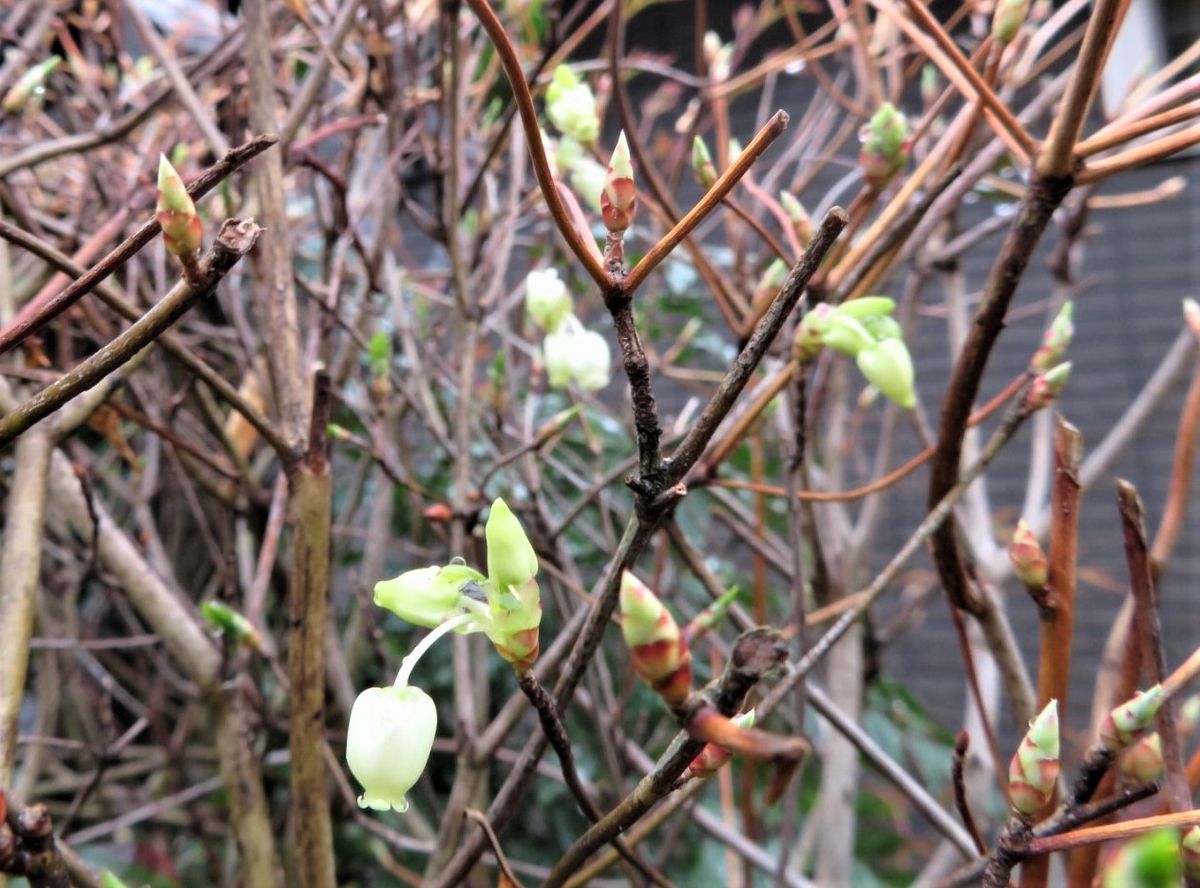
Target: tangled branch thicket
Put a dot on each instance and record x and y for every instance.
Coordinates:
(211, 459)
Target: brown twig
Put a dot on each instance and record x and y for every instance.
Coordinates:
(204, 183)
(1057, 615)
(1148, 628)
(958, 761)
(232, 243)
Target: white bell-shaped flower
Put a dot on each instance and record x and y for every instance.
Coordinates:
(547, 299)
(573, 354)
(388, 743)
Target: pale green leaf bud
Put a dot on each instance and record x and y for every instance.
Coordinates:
(31, 84)
(702, 164)
(866, 307)
(1151, 860)
(1007, 21)
(176, 213)
(1128, 722)
(1033, 771)
(618, 196)
(1055, 340)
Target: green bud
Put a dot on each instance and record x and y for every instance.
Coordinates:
(1028, 558)
(427, 596)
(32, 82)
(888, 366)
(379, 354)
(1033, 771)
(1148, 861)
(176, 213)
(702, 164)
(1007, 21)
(801, 222)
(511, 560)
(1048, 386)
(618, 196)
(1143, 761)
(810, 333)
(1128, 722)
(659, 652)
(223, 618)
(109, 880)
(1055, 340)
(884, 145)
(866, 307)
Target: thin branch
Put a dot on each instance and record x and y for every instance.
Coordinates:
(232, 243)
(16, 332)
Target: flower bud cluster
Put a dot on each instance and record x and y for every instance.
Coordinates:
(571, 106)
(865, 330)
(391, 729)
(572, 354)
(885, 146)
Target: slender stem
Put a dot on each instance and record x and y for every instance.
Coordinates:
(533, 136)
(711, 199)
(16, 333)
(1127, 829)
(235, 240)
(410, 661)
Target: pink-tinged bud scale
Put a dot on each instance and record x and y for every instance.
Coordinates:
(1127, 723)
(659, 652)
(176, 213)
(1054, 341)
(713, 757)
(1028, 559)
(1047, 387)
(1143, 761)
(618, 197)
(1033, 771)
(702, 165)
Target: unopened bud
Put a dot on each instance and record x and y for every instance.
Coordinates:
(176, 213)
(618, 197)
(571, 106)
(1151, 859)
(1028, 558)
(713, 757)
(573, 355)
(888, 366)
(225, 619)
(1054, 341)
(702, 165)
(556, 424)
(1033, 771)
(1143, 761)
(866, 307)
(30, 85)
(810, 333)
(1128, 722)
(1047, 387)
(546, 299)
(885, 146)
(931, 84)
(514, 600)
(1006, 23)
(802, 224)
(427, 596)
(660, 655)
(1189, 853)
